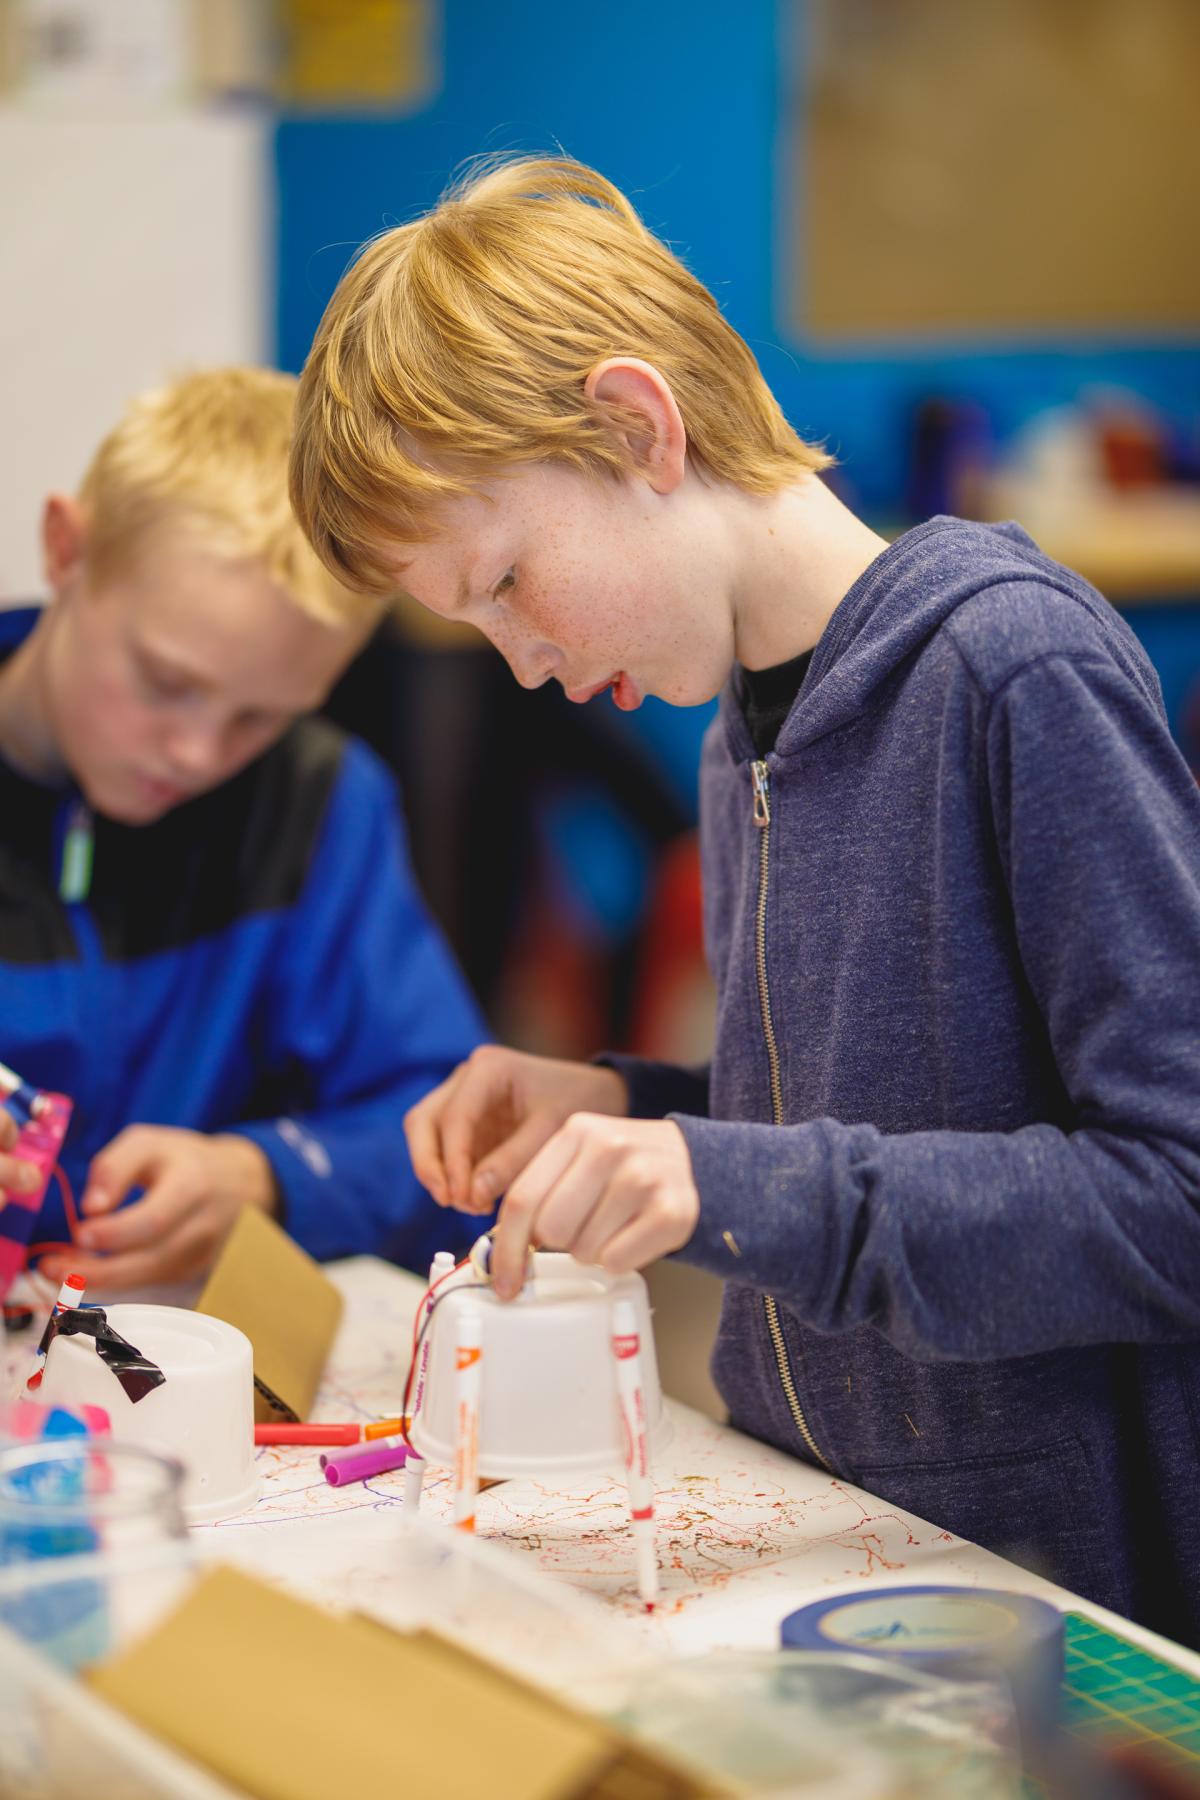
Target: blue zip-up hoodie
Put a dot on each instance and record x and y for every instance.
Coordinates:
(948, 1150)
(259, 960)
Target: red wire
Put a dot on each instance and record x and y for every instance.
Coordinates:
(68, 1199)
(421, 1318)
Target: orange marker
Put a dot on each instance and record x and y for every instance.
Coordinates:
(468, 1364)
(386, 1428)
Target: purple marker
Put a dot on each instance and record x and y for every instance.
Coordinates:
(340, 1470)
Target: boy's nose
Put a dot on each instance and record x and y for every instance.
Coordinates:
(195, 754)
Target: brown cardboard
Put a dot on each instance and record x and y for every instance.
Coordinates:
(272, 1290)
(291, 1703)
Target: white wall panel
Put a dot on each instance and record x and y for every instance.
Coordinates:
(130, 248)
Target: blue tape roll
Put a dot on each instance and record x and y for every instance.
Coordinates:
(966, 1634)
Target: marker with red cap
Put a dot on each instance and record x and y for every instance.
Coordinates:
(70, 1295)
(631, 1400)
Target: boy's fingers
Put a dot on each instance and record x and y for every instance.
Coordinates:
(460, 1121)
(422, 1128)
(129, 1160)
(10, 1131)
(515, 1226)
(501, 1167)
(21, 1177)
(148, 1221)
(590, 1239)
(135, 1269)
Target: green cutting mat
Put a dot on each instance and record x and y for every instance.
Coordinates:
(1115, 1689)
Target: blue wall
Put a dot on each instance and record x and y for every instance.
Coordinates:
(684, 112)
(681, 105)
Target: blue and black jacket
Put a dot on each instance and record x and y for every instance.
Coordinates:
(259, 960)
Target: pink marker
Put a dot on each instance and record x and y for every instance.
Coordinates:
(631, 1400)
(414, 1469)
(70, 1295)
(380, 1459)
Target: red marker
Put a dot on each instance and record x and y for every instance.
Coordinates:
(307, 1434)
(70, 1295)
(631, 1400)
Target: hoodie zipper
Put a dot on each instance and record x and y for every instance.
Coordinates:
(760, 781)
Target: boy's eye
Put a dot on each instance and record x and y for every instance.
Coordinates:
(164, 686)
(505, 584)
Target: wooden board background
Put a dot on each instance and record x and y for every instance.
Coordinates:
(1023, 167)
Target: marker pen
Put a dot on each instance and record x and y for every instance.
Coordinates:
(414, 1471)
(306, 1433)
(468, 1365)
(631, 1399)
(385, 1428)
(20, 1099)
(70, 1295)
(359, 1465)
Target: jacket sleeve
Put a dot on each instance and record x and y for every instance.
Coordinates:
(983, 1245)
(364, 1011)
(658, 1088)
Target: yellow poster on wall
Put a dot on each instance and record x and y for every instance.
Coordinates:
(374, 55)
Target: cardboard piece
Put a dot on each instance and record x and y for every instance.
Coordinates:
(272, 1290)
(288, 1702)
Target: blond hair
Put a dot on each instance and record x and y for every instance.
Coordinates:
(459, 345)
(207, 456)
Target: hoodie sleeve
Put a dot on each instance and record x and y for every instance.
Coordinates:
(365, 1012)
(659, 1088)
(986, 1245)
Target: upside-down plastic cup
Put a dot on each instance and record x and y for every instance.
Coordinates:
(202, 1414)
(548, 1405)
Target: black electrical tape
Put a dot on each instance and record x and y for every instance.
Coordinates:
(136, 1374)
(287, 1414)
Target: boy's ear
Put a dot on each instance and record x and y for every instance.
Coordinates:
(642, 411)
(64, 539)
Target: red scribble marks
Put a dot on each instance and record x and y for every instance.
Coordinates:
(871, 1544)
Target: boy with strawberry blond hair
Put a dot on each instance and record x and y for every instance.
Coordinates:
(946, 1152)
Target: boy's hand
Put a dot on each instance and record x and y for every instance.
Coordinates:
(471, 1137)
(617, 1192)
(195, 1186)
(22, 1176)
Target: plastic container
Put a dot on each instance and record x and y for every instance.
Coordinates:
(58, 1741)
(548, 1402)
(203, 1414)
(800, 1722)
(91, 1537)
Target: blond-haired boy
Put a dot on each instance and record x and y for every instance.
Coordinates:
(209, 933)
(947, 1150)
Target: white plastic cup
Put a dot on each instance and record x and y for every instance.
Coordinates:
(548, 1405)
(202, 1414)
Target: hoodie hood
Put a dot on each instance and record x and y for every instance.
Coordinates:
(892, 610)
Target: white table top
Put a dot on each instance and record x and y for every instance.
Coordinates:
(745, 1533)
